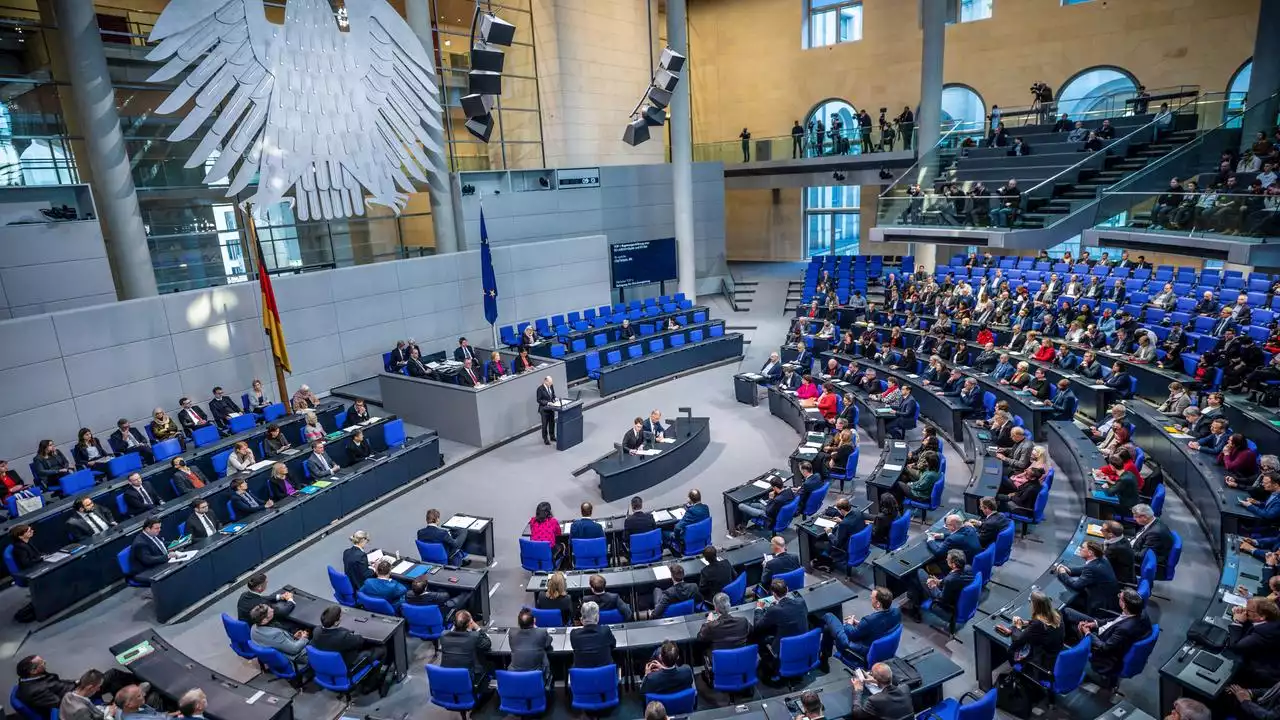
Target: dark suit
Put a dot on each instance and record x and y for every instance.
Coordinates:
(778, 565)
(339, 640)
(775, 505)
(417, 369)
(223, 408)
(725, 633)
(592, 646)
(1156, 537)
(1040, 642)
(249, 600)
(1120, 555)
(25, 555)
(965, 538)
(787, 617)
(772, 371)
(677, 593)
(494, 371)
(653, 428)
(355, 418)
(355, 565)
(196, 528)
(714, 577)
(1109, 648)
(667, 681)
(80, 529)
(182, 481)
(857, 638)
(466, 649)
(144, 552)
(585, 529)
(639, 522)
(143, 447)
(991, 526)
(545, 395)
(692, 514)
(441, 535)
(903, 420)
(245, 504)
(81, 456)
(192, 417)
(632, 440)
(610, 601)
(468, 378)
(43, 693)
(891, 703)
(529, 649)
(1097, 585)
(1255, 643)
(461, 353)
(136, 502)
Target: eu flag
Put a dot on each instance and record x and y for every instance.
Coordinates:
(486, 275)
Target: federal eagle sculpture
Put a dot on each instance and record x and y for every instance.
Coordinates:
(332, 115)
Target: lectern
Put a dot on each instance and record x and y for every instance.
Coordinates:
(568, 423)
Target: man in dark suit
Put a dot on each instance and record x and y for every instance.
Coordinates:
(416, 367)
(1254, 633)
(148, 549)
(452, 539)
(467, 646)
(202, 522)
(640, 520)
(89, 520)
(992, 522)
(790, 379)
(243, 502)
(804, 358)
(399, 357)
(959, 536)
(1094, 582)
(530, 647)
(127, 439)
(1113, 638)
(191, 416)
(546, 395)
(768, 508)
(186, 477)
(723, 630)
(970, 396)
(694, 511)
(1118, 552)
(717, 573)
(1260, 703)
(903, 416)
(1152, 535)
(255, 594)
(834, 551)
(653, 426)
(593, 643)
(223, 408)
(139, 497)
(782, 614)
(39, 689)
(679, 592)
(331, 637)
(670, 676)
(464, 351)
(945, 591)
(584, 527)
(1064, 404)
(780, 562)
(633, 439)
(855, 636)
(893, 700)
(809, 483)
(467, 375)
(606, 600)
(772, 369)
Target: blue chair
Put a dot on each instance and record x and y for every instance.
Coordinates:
(1037, 513)
(451, 688)
(436, 553)
(592, 360)
(579, 345)
(681, 703)
(611, 617)
(121, 507)
(646, 547)
(679, 609)
(590, 553)
(1069, 669)
(800, 654)
(205, 435)
(535, 556)
(76, 481)
(167, 449)
(734, 671)
(935, 499)
(594, 689)
(331, 672)
(984, 708)
(274, 661)
(786, 514)
(424, 621)
(393, 433)
(1135, 659)
(241, 423)
(985, 561)
(548, 617)
(858, 549)
(12, 565)
(238, 634)
(816, 499)
(375, 604)
(898, 532)
(965, 607)
(1004, 545)
(219, 462)
(274, 411)
(884, 648)
(126, 567)
(849, 472)
(736, 589)
(793, 579)
(1175, 554)
(343, 593)
(122, 465)
(521, 693)
(21, 708)
(696, 537)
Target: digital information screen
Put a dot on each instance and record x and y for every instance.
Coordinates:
(638, 263)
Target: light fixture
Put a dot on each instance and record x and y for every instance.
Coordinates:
(651, 110)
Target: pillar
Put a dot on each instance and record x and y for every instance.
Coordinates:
(95, 106)
(682, 153)
(440, 189)
(933, 22)
(1265, 80)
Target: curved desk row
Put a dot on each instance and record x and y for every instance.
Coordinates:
(611, 329)
(575, 363)
(221, 559)
(946, 411)
(50, 521)
(385, 631)
(623, 475)
(892, 568)
(615, 531)
(666, 363)
(1077, 457)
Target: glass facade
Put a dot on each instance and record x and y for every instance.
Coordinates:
(1095, 92)
(971, 10)
(196, 234)
(832, 222)
(833, 21)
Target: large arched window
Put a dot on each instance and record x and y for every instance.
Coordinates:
(1237, 92)
(824, 112)
(1096, 92)
(962, 108)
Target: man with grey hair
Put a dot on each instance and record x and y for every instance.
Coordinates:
(893, 700)
(1188, 709)
(133, 705)
(959, 536)
(1152, 535)
(723, 630)
(192, 704)
(1018, 458)
(593, 643)
(1267, 465)
(1195, 423)
(772, 370)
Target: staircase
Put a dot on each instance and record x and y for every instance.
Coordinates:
(795, 294)
(744, 291)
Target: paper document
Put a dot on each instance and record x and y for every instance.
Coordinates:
(752, 376)
(893, 467)
(182, 556)
(661, 572)
(667, 440)
(462, 522)
(653, 451)
(661, 516)
(812, 445)
(762, 484)
(56, 557)
(254, 698)
(261, 464)
(1231, 598)
(824, 523)
(479, 524)
(913, 377)
(1098, 387)
(371, 420)
(374, 557)
(899, 444)
(1093, 529)
(401, 567)
(677, 513)
(812, 410)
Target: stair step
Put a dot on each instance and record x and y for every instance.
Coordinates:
(752, 283)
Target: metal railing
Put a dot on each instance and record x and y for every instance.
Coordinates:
(849, 141)
(1240, 216)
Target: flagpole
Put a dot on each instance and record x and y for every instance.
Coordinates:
(262, 270)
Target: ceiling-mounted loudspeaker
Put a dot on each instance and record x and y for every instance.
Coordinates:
(475, 104)
(654, 117)
(671, 61)
(481, 127)
(637, 132)
(659, 97)
(485, 83)
(666, 80)
(489, 59)
(496, 31)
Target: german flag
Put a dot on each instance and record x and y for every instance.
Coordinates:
(270, 313)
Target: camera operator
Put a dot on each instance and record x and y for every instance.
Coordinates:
(864, 125)
(906, 122)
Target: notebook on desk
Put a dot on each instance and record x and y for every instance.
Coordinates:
(232, 529)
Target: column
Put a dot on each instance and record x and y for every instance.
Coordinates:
(682, 153)
(1265, 79)
(440, 188)
(95, 105)
(933, 22)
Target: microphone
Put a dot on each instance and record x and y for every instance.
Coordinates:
(688, 415)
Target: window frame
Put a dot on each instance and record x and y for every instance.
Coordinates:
(813, 8)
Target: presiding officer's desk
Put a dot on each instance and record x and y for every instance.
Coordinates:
(479, 534)
(634, 582)
(624, 475)
(221, 559)
(635, 372)
(1200, 672)
(171, 673)
(444, 578)
(990, 648)
(50, 521)
(386, 631)
(477, 416)
(892, 568)
(575, 363)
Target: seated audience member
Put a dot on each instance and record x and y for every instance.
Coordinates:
(11, 483)
(1111, 637)
(89, 520)
(359, 449)
(25, 555)
(855, 636)
(1237, 458)
(1122, 480)
(959, 536)
(556, 597)
(779, 562)
(925, 473)
(523, 362)
(332, 637)
(148, 549)
(304, 399)
(453, 539)
(262, 632)
(164, 427)
(1269, 508)
(255, 594)
(79, 703)
(639, 521)
(202, 522)
(666, 674)
(1094, 582)
(808, 390)
(241, 459)
(1118, 551)
(39, 689)
(465, 645)
(531, 646)
(678, 592)
(1215, 440)
(382, 585)
(717, 573)
(1177, 401)
(1038, 640)
(1017, 458)
(494, 369)
(356, 414)
(185, 478)
(244, 502)
(416, 367)
(584, 527)
(258, 398)
(779, 495)
(420, 594)
(695, 511)
(133, 705)
(723, 630)
(276, 442)
(893, 700)
(320, 465)
(993, 521)
(464, 351)
(127, 439)
(191, 416)
(783, 614)
(468, 376)
(945, 591)
(223, 408)
(593, 644)
(1254, 631)
(543, 526)
(89, 453)
(606, 600)
(312, 430)
(139, 497)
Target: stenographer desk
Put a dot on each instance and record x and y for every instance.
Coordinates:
(478, 416)
(50, 522)
(622, 474)
(221, 559)
(635, 372)
(385, 631)
(172, 673)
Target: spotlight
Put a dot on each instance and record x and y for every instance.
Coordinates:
(838, 176)
(651, 110)
(544, 182)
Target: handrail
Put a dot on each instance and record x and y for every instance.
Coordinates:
(1076, 167)
(921, 158)
(1156, 94)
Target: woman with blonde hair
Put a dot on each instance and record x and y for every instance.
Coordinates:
(312, 430)
(1039, 459)
(355, 560)
(1040, 639)
(556, 597)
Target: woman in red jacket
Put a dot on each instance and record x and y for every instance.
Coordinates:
(1046, 351)
(827, 402)
(1237, 458)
